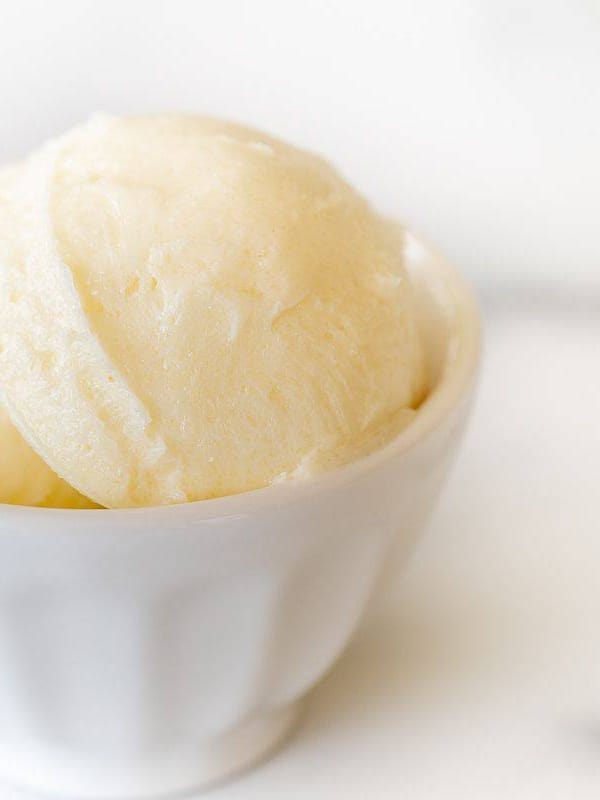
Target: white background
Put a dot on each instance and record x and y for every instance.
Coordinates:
(478, 123)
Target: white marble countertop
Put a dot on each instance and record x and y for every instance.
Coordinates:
(479, 676)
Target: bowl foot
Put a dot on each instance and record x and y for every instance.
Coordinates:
(211, 762)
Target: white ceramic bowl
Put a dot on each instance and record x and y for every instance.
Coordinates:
(149, 651)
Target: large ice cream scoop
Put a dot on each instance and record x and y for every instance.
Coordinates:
(190, 309)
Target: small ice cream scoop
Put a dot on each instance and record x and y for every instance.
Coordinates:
(25, 479)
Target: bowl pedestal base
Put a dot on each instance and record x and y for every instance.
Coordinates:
(210, 763)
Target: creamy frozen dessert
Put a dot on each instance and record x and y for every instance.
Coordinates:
(25, 479)
(190, 309)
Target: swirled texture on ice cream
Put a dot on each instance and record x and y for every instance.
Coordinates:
(190, 309)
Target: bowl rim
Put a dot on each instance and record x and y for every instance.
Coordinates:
(458, 377)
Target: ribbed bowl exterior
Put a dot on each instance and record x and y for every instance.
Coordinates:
(125, 653)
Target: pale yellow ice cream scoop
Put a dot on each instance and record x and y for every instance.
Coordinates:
(190, 309)
(25, 479)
